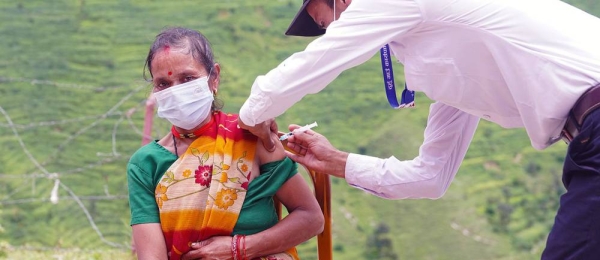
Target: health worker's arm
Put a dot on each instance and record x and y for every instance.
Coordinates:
(448, 134)
(365, 27)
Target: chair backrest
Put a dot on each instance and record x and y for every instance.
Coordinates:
(322, 190)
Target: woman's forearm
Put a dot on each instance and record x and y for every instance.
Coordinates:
(297, 227)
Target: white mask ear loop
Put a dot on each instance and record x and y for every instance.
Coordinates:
(334, 18)
(208, 79)
(210, 72)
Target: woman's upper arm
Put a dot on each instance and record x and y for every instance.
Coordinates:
(265, 156)
(149, 241)
(296, 194)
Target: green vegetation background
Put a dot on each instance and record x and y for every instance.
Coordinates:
(72, 101)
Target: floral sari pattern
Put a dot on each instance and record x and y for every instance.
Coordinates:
(202, 193)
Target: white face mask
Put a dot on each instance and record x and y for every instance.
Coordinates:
(185, 105)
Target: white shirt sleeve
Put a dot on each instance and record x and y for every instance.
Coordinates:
(365, 27)
(448, 134)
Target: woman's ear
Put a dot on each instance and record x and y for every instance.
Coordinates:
(215, 78)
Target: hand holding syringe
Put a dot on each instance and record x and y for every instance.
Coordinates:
(301, 129)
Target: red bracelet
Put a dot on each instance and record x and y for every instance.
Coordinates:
(244, 248)
(234, 250)
(239, 238)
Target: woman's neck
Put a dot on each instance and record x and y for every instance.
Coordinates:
(192, 133)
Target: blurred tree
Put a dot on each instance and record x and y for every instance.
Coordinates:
(379, 245)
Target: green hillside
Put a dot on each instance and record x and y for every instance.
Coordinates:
(72, 103)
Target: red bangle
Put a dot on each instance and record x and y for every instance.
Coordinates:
(239, 237)
(234, 250)
(244, 248)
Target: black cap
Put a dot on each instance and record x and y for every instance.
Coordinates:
(303, 24)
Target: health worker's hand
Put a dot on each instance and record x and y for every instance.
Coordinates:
(314, 151)
(264, 132)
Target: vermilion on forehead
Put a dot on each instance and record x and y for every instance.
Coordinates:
(174, 63)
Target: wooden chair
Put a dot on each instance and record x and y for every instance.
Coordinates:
(322, 190)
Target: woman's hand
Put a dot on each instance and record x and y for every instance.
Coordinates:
(264, 132)
(211, 249)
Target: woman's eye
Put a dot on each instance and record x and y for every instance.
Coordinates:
(189, 78)
(160, 86)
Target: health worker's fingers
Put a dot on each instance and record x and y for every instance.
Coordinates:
(293, 127)
(274, 127)
(268, 134)
(297, 158)
(303, 142)
(263, 132)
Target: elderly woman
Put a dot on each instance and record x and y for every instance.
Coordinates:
(206, 189)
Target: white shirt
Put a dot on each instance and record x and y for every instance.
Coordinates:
(518, 63)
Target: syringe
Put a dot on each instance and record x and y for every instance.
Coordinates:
(302, 129)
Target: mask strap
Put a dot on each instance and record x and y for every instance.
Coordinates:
(334, 18)
(208, 80)
(210, 72)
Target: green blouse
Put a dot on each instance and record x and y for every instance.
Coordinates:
(148, 164)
